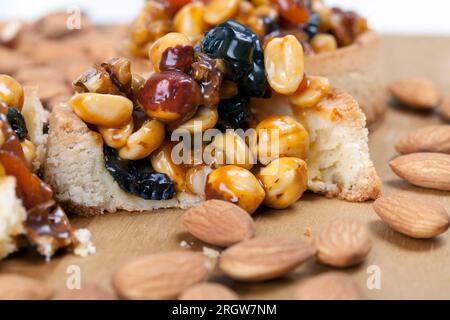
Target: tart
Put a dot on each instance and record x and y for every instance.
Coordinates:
(338, 44)
(28, 212)
(127, 143)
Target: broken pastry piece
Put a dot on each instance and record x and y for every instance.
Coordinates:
(27, 208)
(114, 145)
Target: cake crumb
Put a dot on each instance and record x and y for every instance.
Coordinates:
(185, 245)
(85, 246)
(307, 232)
(211, 253)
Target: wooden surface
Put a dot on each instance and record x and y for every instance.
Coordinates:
(410, 269)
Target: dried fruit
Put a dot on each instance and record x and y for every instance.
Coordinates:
(232, 112)
(263, 259)
(329, 286)
(427, 139)
(208, 291)
(416, 93)
(294, 11)
(219, 223)
(17, 123)
(17, 287)
(177, 58)
(138, 180)
(160, 276)
(344, 242)
(427, 170)
(412, 215)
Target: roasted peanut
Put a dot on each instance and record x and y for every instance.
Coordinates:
(29, 150)
(196, 179)
(205, 118)
(284, 180)
(236, 185)
(324, 13)
(2, 171)
(189, 20)
(11, 92)
(281, 136)
(170, 40)
(137, 82)
(162, 162)
(104, 110)
(317, 89)
(323, 42)
(284, 62)
(143, 142)
(117, 137)
(218, 11)
(256, 20)
(230, 148)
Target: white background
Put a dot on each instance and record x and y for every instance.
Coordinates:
(388, 16)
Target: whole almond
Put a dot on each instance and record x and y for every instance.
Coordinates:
(219, 223)
(86, 292)
(208, 291)
(329, 286)
(262, 259)
(445, 108)
(427, 139)
(416, 93)
(412, 215)
(427, 170)
(160, 276)
(17, 287)
(344, 242)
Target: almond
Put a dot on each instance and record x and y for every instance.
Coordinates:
(416, 93)
(427, 170)
(344, 242)
(208, 291)
(445, 108)
(412, 215)
(86, 292)
(427, 139)
(160, 276)
(262, 259)
(219, 223)
(17, 287)
(329, 286)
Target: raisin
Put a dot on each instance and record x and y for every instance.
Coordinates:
(242, 52)
(17, 123)
(170, 96)
(177, 58)
(312, 28)
(232, 112)
(138, 179)
(294, 11)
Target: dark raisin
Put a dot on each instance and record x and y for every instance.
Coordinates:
(270, 25)
(17, 123)
(136, 179)
(177, 58)
(242, 52)
(312, 28)
(232, 112)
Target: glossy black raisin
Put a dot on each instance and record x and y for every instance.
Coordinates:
(17, 123)
(242, 52)
(137, 179)
(312, 28)
(232, 113)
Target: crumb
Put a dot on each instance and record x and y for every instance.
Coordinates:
(184, 245)
(211, 253)
(307, 232)
(85, 246)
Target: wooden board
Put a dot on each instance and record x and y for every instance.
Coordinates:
(410, 269)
